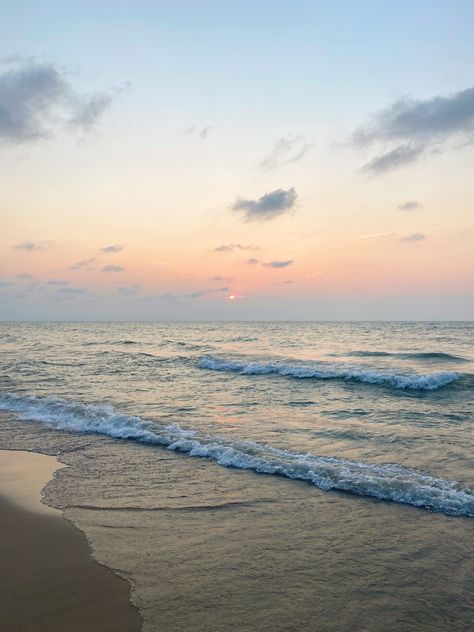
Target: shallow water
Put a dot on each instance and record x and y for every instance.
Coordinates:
(380, 410)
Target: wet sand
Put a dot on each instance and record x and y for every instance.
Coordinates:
(48, 579)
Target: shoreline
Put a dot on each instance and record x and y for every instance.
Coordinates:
(50, 581)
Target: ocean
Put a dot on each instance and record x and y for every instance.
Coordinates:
(260, 476)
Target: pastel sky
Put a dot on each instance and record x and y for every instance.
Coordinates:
(199, 160)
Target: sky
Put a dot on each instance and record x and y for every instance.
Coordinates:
(217, 160)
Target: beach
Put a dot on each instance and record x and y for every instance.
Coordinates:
(49, 581)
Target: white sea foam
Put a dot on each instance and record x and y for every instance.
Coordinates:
(382, 481)
(327, 371)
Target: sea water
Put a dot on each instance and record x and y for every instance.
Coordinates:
(216, 462)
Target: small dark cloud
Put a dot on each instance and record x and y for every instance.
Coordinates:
(417, 127)
(37, 100)
(414, 237)
(396, 157)
(288, 281)
(252, 261)
(57, 282)
(220, 279)
(277, 264)
(233, 247)
(269, 206)
(85, 264)
(25, 277)
(286, 150)
(113, 248)
(31, 246)
(113, 268)
(411, 205)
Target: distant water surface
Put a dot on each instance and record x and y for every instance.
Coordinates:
(360, 413)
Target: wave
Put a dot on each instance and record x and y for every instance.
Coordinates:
(323, 371)
(381, 481)
(93, 343)
(418, 355)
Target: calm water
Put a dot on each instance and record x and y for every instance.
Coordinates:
(374, 420)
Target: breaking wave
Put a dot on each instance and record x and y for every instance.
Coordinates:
(322, 371)
(382, 481)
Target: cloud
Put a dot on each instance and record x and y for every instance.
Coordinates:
(37, 101)
(131, 289)
(397, 157)
(232, 247)
(277, 264)
(25, 277)
(193, 295)
(411, 205)
(113, 248)
(31, 246)
(57, 282)
(413, 238)
(113, 268)
(85, 264)
(252, 261)
(219, 278)
(268, 206)
(417, 127)
(288, 282)
(200, 132)
(286, 150)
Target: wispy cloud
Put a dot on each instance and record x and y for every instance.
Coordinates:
(233, 247)
(112, 249)
(278, 264)
(85, 264)
(23, 276)
(269, 206)
(417, 127)
(31, 246)
(37, 100)
(286, 150)
(396, 157)
(194, 294)
(113, 268)
(411, 205)
(414, 237)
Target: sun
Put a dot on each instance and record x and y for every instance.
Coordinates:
(231, 297)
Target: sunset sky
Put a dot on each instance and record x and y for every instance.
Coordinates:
(237, 160)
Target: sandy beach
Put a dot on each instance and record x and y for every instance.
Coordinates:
(49, 581)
